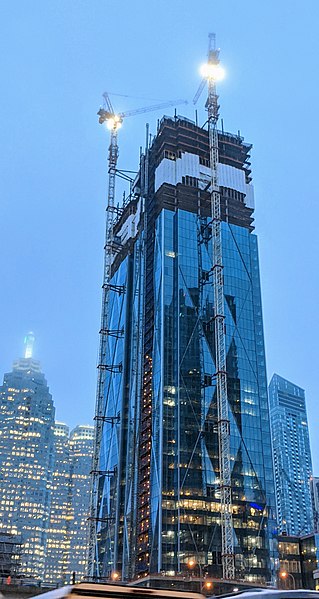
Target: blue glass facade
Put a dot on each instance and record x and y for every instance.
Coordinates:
(161, 504)
(67, 537)
(26, 463)
(292, 456)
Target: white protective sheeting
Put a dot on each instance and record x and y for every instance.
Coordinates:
(188, 164)
(129, 227)
(165, 173)
(249, 199)
(172, 171)
(234, 178)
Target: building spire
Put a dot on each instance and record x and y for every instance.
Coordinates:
(28, 345)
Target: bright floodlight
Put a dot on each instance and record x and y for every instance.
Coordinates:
(114, 122)
(212, 71)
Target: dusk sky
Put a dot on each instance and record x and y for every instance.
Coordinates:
(57, 58)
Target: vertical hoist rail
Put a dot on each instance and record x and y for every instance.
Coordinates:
(93, 568)
(228, 561)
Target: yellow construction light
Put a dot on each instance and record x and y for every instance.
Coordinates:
(115, 576)
(212, 71)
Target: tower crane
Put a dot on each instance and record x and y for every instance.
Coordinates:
(113, 122)
(213, 72)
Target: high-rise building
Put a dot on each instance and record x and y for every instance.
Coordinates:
(292, 456)
(314, 487)
(159, 495)
(81, 450)
(67, 542)
(58, 539)
(26, 460)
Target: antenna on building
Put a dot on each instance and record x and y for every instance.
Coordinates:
(28, 345)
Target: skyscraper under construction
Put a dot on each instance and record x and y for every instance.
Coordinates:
(183, 467)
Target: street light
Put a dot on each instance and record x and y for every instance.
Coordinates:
(192, 563)
(204, 583)
(208, 585)
(115, 576)
(284, 576)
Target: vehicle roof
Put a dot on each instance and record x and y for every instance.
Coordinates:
(115, 591)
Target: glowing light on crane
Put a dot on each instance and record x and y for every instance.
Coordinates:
(114, 123)
(212, 71)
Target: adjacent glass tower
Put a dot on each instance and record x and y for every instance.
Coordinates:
(159, 490)
(81, 450)
(292, 456)
(67, 539)
(58, 541)
(26, 460)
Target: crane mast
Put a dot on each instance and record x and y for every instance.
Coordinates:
(228, 561)
(99, 406)
(113, 121)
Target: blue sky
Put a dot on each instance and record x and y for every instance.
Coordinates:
(57, 58)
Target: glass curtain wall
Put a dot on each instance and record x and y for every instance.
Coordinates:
(159, 503)
(185, 512)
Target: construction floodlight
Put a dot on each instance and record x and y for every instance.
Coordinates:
(114, 123)
(212, 71)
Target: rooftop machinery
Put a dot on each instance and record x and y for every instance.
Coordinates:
(213, 72)
(113, 122)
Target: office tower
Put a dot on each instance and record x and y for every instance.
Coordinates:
(158, 476)
(67, 541)
(292, 457)
(26, 459)
(314, 487)
(58, 539)
(81, 449)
